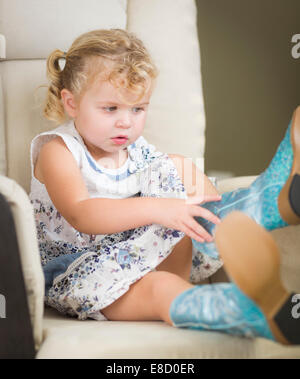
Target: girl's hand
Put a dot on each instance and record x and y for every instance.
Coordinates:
(179, 214)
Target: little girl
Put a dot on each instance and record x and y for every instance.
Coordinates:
(118, 238)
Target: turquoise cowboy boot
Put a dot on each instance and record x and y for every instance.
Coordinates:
(273, 199)
(257, 304)
(219, 307)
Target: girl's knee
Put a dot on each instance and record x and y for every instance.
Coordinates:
(163, 283)
(166, 286)
(154, 279)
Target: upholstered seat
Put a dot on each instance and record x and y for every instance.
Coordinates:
(67, 338)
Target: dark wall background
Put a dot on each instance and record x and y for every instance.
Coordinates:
(251, 82)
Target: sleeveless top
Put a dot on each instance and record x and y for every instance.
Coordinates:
(55, 234)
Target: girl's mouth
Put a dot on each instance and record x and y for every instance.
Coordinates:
(120, 140)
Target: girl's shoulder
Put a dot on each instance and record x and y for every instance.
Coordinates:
(67, 132)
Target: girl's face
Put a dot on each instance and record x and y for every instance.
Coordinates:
(101, 116)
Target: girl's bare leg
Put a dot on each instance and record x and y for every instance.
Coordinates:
(148, 299)
(179, 262)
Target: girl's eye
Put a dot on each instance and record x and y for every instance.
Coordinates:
(137, 110)
(110, 109)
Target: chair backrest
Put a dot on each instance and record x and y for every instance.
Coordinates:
(32, 29)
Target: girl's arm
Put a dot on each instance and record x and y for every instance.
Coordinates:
(58, 170)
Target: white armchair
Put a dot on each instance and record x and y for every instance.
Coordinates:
(176, 124)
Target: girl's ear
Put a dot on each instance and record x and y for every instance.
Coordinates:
(69, 102)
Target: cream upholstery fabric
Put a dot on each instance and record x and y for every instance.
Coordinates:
(2, 125)
(231, 184)
(2, 133)
(58, 22)
(176, 121)
(2, 47)
(23, 113)
(69, 338)
(30, 257)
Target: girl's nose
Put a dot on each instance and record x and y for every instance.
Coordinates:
(123, 124)
(124, 121)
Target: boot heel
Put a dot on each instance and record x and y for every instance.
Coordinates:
(294, 195)
(288, 199)
(288, 324)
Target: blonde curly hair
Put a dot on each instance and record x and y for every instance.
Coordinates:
(114, 55)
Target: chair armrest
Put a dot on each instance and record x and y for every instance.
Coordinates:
(22, 212)
(232, 184)
(2, 47)
(16, 338)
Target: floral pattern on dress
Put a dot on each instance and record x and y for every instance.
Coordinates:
(142, 154)
(203, 266)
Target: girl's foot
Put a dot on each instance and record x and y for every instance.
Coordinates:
(251, 259)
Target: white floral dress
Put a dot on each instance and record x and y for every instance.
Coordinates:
(85, 273)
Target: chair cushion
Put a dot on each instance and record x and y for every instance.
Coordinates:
(23, 113)
(71, 338)
(34, 28)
